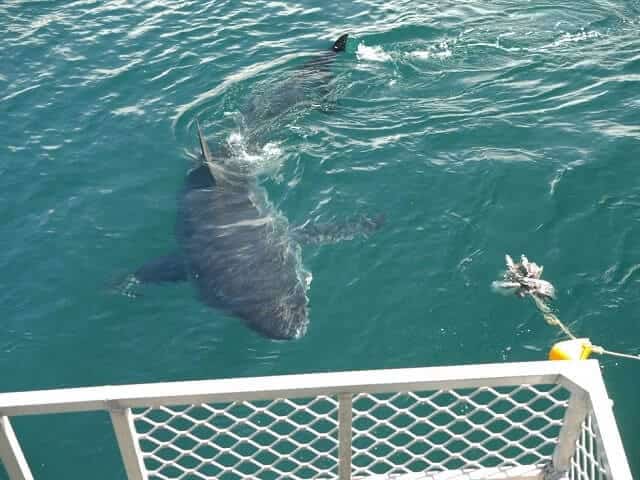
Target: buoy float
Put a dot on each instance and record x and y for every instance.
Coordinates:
(576, 349)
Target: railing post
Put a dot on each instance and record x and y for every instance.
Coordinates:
(571, 425)
(344, 436)
(129, 449)
(607, 434)
(11, 453)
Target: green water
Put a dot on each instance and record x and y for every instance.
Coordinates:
(478, 130)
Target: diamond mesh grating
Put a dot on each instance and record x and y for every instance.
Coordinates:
(455, 429)
(261, 439)
(430, 423)
(391, 433)
(587, 463)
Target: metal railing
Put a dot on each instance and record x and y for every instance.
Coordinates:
(536, 420)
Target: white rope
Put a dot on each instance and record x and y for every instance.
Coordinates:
(615, 354)
(553, 320)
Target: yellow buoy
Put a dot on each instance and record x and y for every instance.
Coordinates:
(576, 349)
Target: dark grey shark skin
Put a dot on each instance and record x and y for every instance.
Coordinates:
(235, 248)
(308, 84)
(239, 251)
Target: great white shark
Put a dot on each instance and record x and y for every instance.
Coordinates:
(237, 249)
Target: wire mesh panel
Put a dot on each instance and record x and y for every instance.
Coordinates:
(587, 463)
(260, 439)
(527, 421)
(456, 429)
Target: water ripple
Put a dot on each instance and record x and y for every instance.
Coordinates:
(476, 128)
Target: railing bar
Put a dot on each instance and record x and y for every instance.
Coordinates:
(391, 410)
(11, 453)
(606, 430)
(290, 386)
(570, 431)
(592, 449)
(345, 404)
(125, 431)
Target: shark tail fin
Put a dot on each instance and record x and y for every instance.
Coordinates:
(341, 43)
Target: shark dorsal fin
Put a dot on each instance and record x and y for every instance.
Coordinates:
(206, 153)
(216, 169)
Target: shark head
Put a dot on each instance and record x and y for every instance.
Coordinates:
(286, 318)
(294, 314)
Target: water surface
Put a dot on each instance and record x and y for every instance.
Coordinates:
(477, 129)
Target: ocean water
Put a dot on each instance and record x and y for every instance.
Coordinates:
(476, 128)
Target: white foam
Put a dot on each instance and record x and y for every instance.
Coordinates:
(131, 110)
(441, 51)
(373, 54)
(421, 54)
(267, 160)
(576, 37)
(442, 55)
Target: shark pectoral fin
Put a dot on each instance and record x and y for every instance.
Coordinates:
(327, 233)
(169, 268)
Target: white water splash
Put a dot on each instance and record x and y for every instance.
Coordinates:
(267, 160)
(576, 37)
(130, 110)
(373, 54)
(440, 51)
(421, 54)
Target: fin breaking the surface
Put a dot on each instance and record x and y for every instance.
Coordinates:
(327, 233)
(341, 43)
(215, 170)
(218, 170)
(206, 153)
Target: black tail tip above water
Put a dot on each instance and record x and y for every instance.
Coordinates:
(341, 43)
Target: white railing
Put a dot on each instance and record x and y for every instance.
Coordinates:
(537, 420)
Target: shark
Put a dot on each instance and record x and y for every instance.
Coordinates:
(236, 248)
